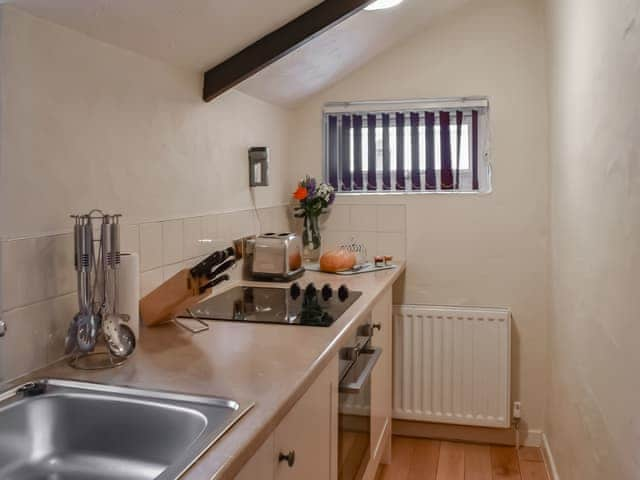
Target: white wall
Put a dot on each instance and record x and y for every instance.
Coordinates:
(471, 250)
(593, 423)
(88, 125)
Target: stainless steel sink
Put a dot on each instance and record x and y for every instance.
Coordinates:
(63, 430)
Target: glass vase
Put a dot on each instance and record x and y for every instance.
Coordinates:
(311, 239)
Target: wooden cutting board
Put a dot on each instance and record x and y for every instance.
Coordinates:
(315, 267)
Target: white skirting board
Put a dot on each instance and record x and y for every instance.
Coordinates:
(452, 365)
(468, 434)
(548, 458)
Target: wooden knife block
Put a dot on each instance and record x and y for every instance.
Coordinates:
(171, 298)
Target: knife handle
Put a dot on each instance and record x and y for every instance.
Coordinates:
(213, 283)
(221, 268)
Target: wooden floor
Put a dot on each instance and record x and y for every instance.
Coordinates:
(421, 459)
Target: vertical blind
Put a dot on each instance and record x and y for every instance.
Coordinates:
(413, 146)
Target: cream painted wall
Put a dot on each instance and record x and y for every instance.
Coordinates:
(487, 250)
(593, 423)
(87, 125)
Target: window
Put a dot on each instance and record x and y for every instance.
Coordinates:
(395, 147)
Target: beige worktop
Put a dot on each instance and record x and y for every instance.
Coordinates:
(269, 365)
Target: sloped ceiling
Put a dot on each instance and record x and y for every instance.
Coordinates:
(198, 34)
(343, 49)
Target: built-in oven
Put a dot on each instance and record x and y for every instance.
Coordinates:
(357, 361)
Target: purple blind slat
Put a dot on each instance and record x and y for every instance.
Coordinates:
(357, 152)
(474, 149)
(446, 174)
(372, 182)
(415, 151)
(333, 150)
(345, 152)
(386, 152)
(458, 146)
(430, 143)
(400, 182)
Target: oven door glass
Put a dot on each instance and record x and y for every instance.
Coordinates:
(354, 438)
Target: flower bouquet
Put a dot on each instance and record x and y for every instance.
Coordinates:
(313, 200)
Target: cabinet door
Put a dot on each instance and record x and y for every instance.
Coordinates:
(262, 465)
(381, 380)
(308, 432)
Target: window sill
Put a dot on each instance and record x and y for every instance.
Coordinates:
(365, 193)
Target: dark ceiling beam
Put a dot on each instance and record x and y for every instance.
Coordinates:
(277, 44)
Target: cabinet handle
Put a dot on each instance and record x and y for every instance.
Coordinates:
(377, 326)
(289, 457)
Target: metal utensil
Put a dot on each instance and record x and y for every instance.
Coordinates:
(121, 341)
(119, 337)
(83, 331)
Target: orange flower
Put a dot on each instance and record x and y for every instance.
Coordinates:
(301, 193)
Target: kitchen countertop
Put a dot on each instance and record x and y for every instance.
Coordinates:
(269, 365)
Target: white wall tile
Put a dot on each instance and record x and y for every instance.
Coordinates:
(392, 244)
(225, 226)
(150, 280)
(35, 269)
(363, 218)
(210, 232)
(337, 219)
(24, 347)
(150, 246)
(210, 226)
(391, 218)
(130, 238)
(60, 311)
(172, 242)
(370, 242)
(169, 271)
(193, 228)
(245, 223)
(330, 240)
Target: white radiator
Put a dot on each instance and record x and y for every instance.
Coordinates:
(452, 365)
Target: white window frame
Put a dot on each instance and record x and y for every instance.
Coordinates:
(445, 104)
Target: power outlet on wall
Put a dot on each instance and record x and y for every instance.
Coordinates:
(517, 410)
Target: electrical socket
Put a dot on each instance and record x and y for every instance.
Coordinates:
(517, 410)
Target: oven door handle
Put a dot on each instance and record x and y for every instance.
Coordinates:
(372, 355)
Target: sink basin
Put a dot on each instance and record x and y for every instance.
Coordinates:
(63, 430)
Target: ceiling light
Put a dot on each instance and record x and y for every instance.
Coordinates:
(382, 4)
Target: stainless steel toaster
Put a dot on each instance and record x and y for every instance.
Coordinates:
(276, 256)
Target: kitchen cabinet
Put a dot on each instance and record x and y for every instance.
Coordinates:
(310, 430)
(262, 464)
(304, 444)
(381, 384)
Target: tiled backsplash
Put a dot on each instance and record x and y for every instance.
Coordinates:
(381, 228)
(38, 280)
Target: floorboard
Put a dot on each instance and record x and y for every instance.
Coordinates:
(530, 454)
(451, 461)
(422, 459)
(533, 470)
(504, 463)
(477, 462)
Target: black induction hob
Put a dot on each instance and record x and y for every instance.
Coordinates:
(287, 306)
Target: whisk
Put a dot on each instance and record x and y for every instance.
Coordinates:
(358, 249)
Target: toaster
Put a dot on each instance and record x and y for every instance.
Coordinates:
(276, 257)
